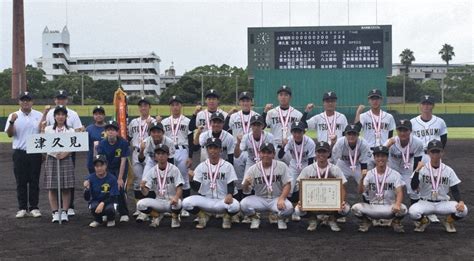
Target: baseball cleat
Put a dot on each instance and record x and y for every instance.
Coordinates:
(227, 221)
(21, 214)
(246, 220)
(341, 220)
(94, 224)
(433, 218)
(124, 218)
(364, 225)
(202, 220)
(295, 217)
(155, 222)
(136, 213)
(55, 217)
(64, 216)
(421, 225)
(281, 224)
(312, 224)
(35, 213)
(255, 222)
(397, 226)
(142, 217)
(448, 224)
(236, 219)
(175, 222)
(272, 218)
(111, 223)
(184, 213)
(333, 225)
(71, 212)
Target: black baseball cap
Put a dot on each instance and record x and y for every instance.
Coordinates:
(217, 116)
(61, 94)
(298, 125)
(175, 98)
(212, 93)
(284, 88)
(213, 142)
(380, 149)
(143, 100)
(322, 145)
(329, 96)
(404, 124)
(267, 146)
(156, 126)
(99, 158)
(60, 108)
(375, 93)
(25, 96)
(354, 128)
(427, 99)
(163, 148)
(435, 145)
(111, 124)
(98, 108)
(257, 119)
(245, 95)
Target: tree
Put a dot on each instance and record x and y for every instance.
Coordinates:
(406, 58)
(395, 88)
(447, 53)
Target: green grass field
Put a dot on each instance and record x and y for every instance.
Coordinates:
(453, 133)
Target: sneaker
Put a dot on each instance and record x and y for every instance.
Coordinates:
(254, 222)
(64, 216)
(448, 224)
(142, 217)
(227, 221)
(202, 220)
(341, 220)
(21, 213)
(364, 225)
(94, 224)
(136, 213)
(295, 217)
(397, 226)
(312, 224)
(124, 218)
(333, 225)
(236, 219)
(272, 218)
(421, 225)
(281, 224)
(184, 213)
(111, 223)
(155, 222)
(433, 218)
(175, 222)
(246, 220)
(35, 213)
(71, 212)
(55, 217)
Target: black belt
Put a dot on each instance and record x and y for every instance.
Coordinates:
(430, 200)
(180, 147)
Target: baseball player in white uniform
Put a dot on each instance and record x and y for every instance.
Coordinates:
(384, 191)
(203, 117)
(434, 181)
(279, 119)
(166, 181)
(330, 124)
(351, 153)
(147, 147)
(405, 153)
(270, 181)
(323, 169)
(177, 129)
(216, 131)
(214, 180)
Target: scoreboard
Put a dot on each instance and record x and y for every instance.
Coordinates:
(324, 47)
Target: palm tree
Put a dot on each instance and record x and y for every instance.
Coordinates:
(447, 54)
(406, 58)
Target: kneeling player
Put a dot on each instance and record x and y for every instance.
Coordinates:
(271, 182)
(167, 182)
(384, 189)
(322, 169)
(214, 181)
(434, 181)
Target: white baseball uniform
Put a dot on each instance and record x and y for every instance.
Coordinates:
(428, 131)
(149, 152)
(213, 190)
(72, 121)
(349, 159)
(372, 124)
(228, 144)
(327, 125)
(252, 146)
(300, 154)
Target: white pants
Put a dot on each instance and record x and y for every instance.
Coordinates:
(294, 173)
(159, 205)
(138, 170)
(210, 205)
(344, 212)
(252, 204)
(377, 211)
(180, 158)
(412, 194)
(348, 173)
(239, 166)
(424, 207)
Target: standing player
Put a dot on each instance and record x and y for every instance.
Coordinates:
(166, 181)
(434, 181)
(216, 131)
(279, 119)
(329, 124)
(214, 180)
(96, 133)
(322, 169)
(384, 189)
(203, 117)
(271, 182)
(147, 147)
(177, 128)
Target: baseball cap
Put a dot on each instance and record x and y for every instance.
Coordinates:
(61, 94)
(213, 142)
(298, 125)
(175, 98)
(404, 124)
(163, 148)
(212, 93)
(322, 145)
(217, 116)
(60, 108)
(25, 96)
(375, 93)
(267, 146)
(111, 124)
(98, 108)
(435, 145)
(427, 99)
(245, 95)
(380, 149)
(99, 158)
(156, 126)
(329, 96)
(257, 119)
(354, 128)
(284, 88)
(143, 100)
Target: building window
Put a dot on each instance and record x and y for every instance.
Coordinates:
(427, 75)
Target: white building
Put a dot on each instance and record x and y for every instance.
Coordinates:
(423, 71)
(139, 73)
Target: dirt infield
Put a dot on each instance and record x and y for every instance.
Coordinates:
(40, 239)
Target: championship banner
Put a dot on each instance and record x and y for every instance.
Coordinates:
(121, 111)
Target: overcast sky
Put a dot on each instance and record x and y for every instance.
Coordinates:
(193, 33)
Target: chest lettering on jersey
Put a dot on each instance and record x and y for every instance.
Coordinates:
(427, 180)
(220, 176)
(134, 130)
(369, 126)
(181, 127)
(399, 156)
(276, 120)
(260, 180)
(202, 122)
(324, 127)
(386, 186)
(427, 132)
(169, 180)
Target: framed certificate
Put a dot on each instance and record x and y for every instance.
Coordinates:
(321, 194)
